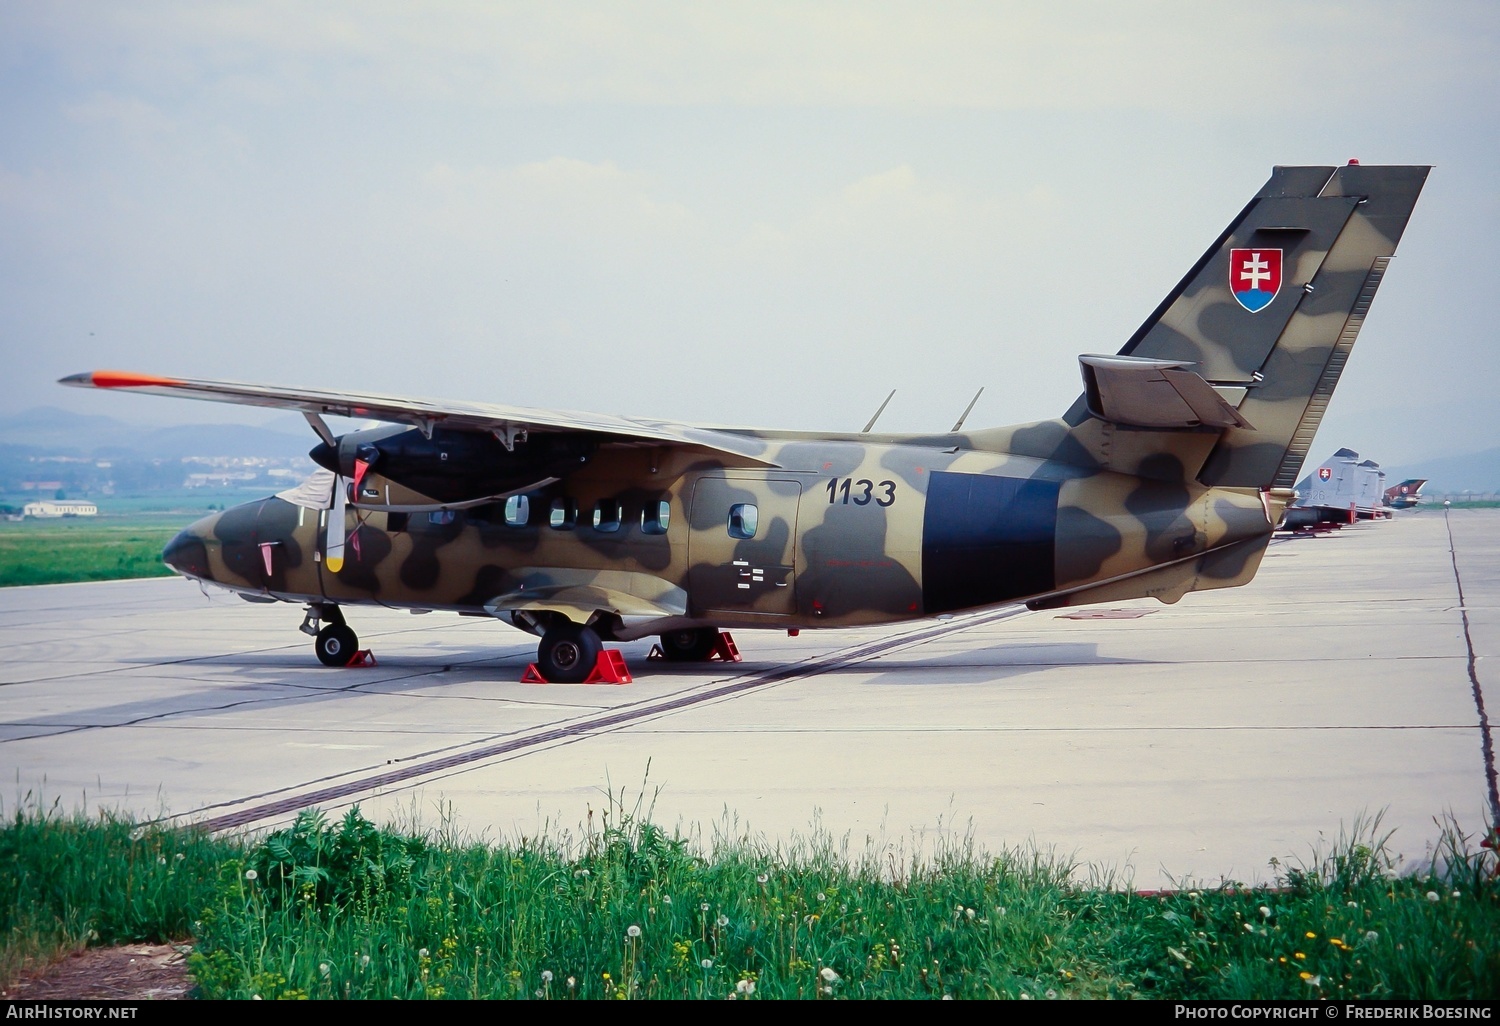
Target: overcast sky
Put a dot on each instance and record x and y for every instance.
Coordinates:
(755, 213)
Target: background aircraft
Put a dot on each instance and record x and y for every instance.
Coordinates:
(1406, 494)
(1167, 475)
(1341, 490)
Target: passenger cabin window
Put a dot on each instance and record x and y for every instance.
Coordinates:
(564, 514)
(442, 517)
(607, 515)
(744, 518)
(395, 522)
(518, 510)
(655, 517)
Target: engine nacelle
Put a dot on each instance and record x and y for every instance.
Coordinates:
(455, 466)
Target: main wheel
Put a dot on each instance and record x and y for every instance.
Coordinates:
(336, 645)
(692, 645)
(568, 653)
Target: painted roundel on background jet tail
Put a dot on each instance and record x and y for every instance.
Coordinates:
(1254, 277)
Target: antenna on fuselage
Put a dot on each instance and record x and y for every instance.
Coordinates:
(878, 412)
(968, 409)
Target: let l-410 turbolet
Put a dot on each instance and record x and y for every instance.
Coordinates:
(1168, 475)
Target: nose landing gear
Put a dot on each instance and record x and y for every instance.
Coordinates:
(335, 642)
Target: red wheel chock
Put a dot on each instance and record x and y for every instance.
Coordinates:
(725, 649)
(610, 668)
(364, 657)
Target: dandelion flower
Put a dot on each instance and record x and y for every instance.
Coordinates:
(1305, 975)
(1311, 935)
(251, 874)
(1433, 896)
(1298, 954)
(546, 975)
(632, 931)
(707, 963)
(829, 976)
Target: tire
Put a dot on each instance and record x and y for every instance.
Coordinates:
(568, 653)
(336, 645)
(693, 645)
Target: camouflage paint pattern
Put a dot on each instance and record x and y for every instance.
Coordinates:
(865, 528)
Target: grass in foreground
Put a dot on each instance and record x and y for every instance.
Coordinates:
(629, 911)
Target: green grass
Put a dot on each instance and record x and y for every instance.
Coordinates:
(86, 549)
(628, 910)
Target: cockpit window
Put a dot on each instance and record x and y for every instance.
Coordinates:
(607, 515)
(518, 510)
(564, 514)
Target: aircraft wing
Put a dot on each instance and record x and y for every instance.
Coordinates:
(504, 421)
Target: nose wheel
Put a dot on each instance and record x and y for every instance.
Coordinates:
(336, 645)
(568, 653)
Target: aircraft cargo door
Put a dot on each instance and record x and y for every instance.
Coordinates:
(742, 545)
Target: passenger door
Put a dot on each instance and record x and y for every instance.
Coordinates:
(742, 544)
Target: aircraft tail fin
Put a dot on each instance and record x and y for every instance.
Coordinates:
(1252, 341)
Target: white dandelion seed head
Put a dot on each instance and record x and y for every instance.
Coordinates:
(1458, 894)
(546, 975)
(703, 907)
(421, 952)
(364, 960)
(762, 878)
(707, 963)
(632, 931)
(829, 976)
(666, 899)
(324, 968)
(1353, 904)
(968, 913)
(1249, 928)
(1371, 936)
(745, 987)
(1265, 911)
(1315, 981)
(1433, 896)
(999, 910)
(1025, 996)
(828, 991)
(822, 897)
(572, 982)
(251, 874)
(1051, 994)
(178, 857)
(580, 872)
(723, 921)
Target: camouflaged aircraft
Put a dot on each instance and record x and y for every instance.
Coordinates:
(1167, 475)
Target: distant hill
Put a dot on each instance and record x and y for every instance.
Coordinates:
(1473, 472)
(48, 430)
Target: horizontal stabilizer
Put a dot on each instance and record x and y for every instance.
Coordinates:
(1153, 394)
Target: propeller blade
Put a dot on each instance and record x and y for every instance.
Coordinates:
(333, 555)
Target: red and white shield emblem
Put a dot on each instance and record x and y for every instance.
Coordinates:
(1254, 277)
(1324, 473)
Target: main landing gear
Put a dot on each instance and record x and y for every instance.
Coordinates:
(568, 652)
(690, 645)
(334, 641)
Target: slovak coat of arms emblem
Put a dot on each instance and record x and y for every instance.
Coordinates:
(1254, 277)
(1324, 473)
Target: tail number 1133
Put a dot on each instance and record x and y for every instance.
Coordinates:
(862, 492)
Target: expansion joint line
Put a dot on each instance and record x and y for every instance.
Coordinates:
(1486, 744)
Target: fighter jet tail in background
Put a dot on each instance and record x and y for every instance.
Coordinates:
(1406, 494)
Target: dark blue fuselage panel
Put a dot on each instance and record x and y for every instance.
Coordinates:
(986, 540)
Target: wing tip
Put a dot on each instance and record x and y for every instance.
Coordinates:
(115, 379)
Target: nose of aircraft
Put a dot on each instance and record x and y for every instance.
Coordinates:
(187, 553)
